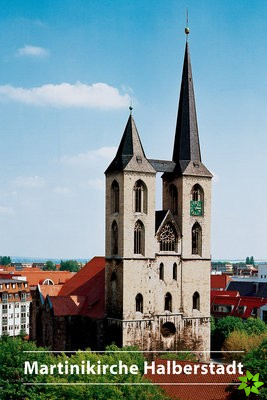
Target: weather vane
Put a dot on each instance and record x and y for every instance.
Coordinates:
(187, 30)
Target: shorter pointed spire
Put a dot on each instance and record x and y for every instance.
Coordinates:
(130, 154)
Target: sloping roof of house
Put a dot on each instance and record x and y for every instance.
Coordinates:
(38, 277)
(84, 293)
(193, 387)
(249, 288)
(219, 281)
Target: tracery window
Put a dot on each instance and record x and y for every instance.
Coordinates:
(139, 238)
(196, 301)
(197, 239)
(115, 194)
(140, 197)
(168, 302)
(114, 238)
(139, 303)
(168, 238)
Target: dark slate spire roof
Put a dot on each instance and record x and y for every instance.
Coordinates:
(186, 151)
(130, 155)
(186, 143)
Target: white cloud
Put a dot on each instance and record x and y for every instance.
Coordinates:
(215, 178)
(6, 210)
(96, 183)
(29, 182)
(66, 95)
(90, 157)
(62, 190)
(32, 51)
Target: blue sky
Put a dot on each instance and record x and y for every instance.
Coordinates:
(69, 70)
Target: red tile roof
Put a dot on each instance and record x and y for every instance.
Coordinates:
(219, 281)
(84, 293)
(52, 290)
(241, 306)
(193, 387)
(38, 277)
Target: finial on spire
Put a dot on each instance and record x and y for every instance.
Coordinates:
(187, 30)
(131, 107)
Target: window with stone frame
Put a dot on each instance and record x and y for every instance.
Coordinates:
(168, 238)
(196, 301)
(174, 272)
(161, 271)
(196, 239)
(115, 197)
(140, 197)
(114, 238)
(173, 199)
(139, 238)
(168, 302)
(197, 201)
(139, 303)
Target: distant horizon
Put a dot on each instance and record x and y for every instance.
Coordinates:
(81, 259)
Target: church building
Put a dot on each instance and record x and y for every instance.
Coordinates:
(157, 275)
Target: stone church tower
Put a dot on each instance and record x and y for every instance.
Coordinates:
(158, 262)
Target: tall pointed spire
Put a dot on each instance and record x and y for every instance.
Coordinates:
(186, 143)
(130, 154)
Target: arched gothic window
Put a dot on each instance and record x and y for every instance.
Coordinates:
(197, 239)
(197, 201)
(114, 238)
(174, 272)
(196, 301)
(113, 280)
(161, 271)
(168, 238)
(168, 302)
(115, 197)
(140, 197)
(139, 238)
(174, 199)
(139, 303)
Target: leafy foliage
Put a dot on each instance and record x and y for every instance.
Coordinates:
(5, 260)
(93, 387)
(255, 361)
(225, 326)
(241, 341)
(49, 266)
(69, 265)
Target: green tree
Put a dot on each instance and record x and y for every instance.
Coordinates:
(255, 361)
(254, 326)
(251, 260)
(49, 266)
(69, 265)
(5, 260)
(224, 327)
(13, 378)
(247, 260)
